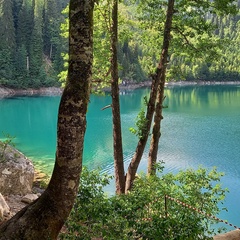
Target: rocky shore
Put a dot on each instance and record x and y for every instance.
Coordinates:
(8, 92)
(20, 182)
(55, 91)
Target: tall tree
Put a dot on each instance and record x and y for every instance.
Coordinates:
(24, 28)
(182, 20)
(36, 44)
(51, 29)
(160, 89)
(7, 40)
(44, 218)
(117, 132)
(192, 32)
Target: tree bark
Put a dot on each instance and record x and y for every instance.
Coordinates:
(156, 79)
(133, 166)
(156, 132)
(117, 132)
(44, 218)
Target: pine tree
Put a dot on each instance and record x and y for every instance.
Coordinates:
(7, 41)
(53, 43)
(36, 44)
(24, 29)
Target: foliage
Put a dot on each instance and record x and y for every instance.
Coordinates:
(142, 214)
(30, 40)
(130, 69)
(223, 68)
(141, 122)
(91, 208)
(195, 44)
(4, 144)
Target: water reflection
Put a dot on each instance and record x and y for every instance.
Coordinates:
(200, 127)
(192, 98)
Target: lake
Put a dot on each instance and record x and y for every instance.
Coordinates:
(201, 126)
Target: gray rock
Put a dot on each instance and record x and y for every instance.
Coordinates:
(16, 172)
(29, 198)
(4, 208)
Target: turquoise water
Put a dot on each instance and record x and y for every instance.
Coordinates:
(200, 127)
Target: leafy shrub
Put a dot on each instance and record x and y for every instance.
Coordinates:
(4, 144)
(145, 213)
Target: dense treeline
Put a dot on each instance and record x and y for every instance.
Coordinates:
(31, 47)
(30, 42)
(226, 66)
(223, 65)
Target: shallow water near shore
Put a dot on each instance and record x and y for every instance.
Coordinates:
(200, 127)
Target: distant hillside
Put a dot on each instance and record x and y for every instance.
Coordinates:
(32, 48)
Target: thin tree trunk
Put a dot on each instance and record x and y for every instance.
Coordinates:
(50, 52)
(133, 166)
(156, 133)
(117, 132)
(156, 79)
(44, 218)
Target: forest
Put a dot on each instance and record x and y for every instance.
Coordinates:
(182, 32)
(34, 46)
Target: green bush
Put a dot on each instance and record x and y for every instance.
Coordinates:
(4, 144)
(145, 213)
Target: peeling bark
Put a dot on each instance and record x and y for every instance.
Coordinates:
(44, 218)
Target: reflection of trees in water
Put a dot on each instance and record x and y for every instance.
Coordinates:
(205, 97)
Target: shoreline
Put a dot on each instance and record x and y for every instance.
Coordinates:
(57, 91)
(10, 92)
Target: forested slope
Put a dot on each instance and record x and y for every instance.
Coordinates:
(32, 48)
(30, 42)
(226, 67)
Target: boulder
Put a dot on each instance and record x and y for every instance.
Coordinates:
(233, 235)
(4, 208)
(16, 172)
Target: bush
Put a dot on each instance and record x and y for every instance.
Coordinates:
(145, 213)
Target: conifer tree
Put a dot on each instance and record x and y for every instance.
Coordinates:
(36, 44)
(24, 29)
(7, 40)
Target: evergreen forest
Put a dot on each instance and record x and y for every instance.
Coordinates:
(33, 46)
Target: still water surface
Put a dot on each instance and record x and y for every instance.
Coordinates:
(201, 126)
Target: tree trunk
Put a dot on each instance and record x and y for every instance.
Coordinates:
(117, 132)
(156, 79)
(133, 166)
(44, 218)
(156, 133)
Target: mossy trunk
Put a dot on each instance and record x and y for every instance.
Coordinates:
(44, 218)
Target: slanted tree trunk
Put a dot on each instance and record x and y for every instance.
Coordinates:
(133, 166)
(156, 79)
(117, 132)
(156, 133)
(44, 218)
